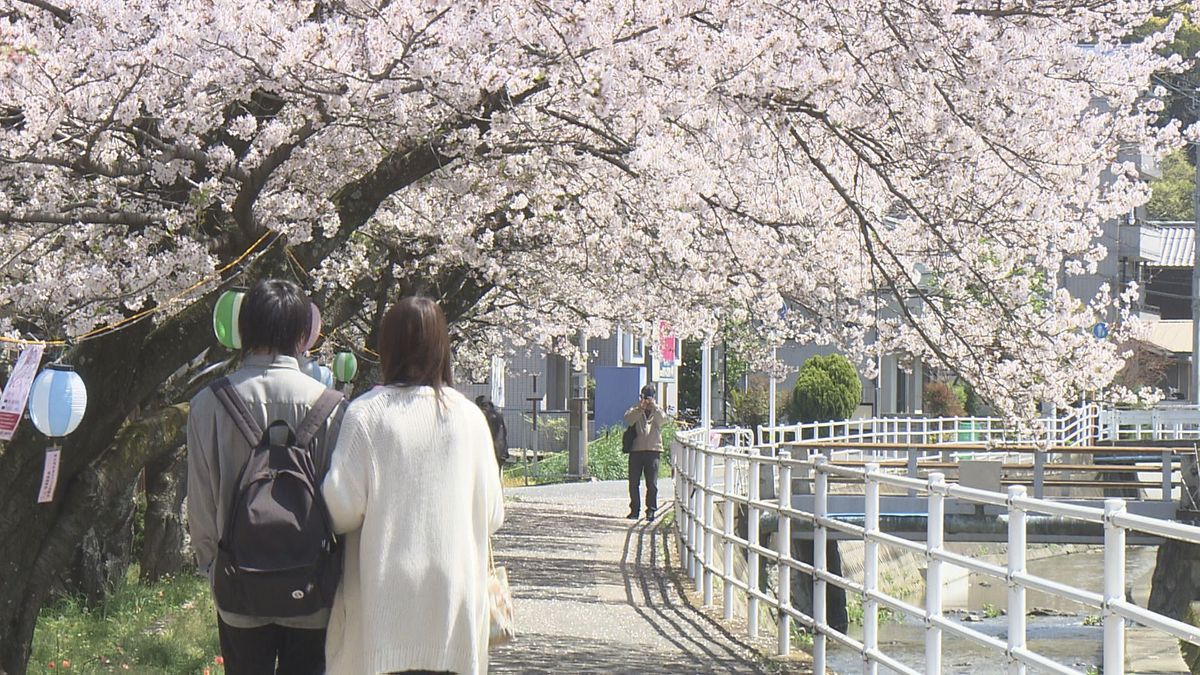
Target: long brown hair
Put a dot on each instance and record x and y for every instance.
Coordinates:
(414, 344)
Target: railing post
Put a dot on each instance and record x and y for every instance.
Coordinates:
(682, 487)
(820, 563)
(1039, 474)
(727, 566)
(689, 525)
(1166, 475)
(695, 499)
(871, 573)
(752, 537)
(1016, 592)
(783, 541)
(912, 468)
(934, 539)
(1114, 587)
(708, 529)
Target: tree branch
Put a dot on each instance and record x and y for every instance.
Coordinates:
(60, 13)
(96, 217)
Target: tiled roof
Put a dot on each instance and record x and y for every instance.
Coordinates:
(1178, 245)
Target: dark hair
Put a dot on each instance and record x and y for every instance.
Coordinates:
(276, 317)
(414, 344)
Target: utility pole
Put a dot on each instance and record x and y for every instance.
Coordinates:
(706, 386)
(771, 394)
(1194, 380)
(577, 434)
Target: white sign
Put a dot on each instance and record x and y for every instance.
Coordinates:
(16, 392)
(49, 477)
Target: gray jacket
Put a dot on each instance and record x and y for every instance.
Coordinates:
(274, 389)
(649, 428)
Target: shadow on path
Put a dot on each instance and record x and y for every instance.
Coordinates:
(596, 593)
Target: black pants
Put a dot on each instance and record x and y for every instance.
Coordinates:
(643, 463)
(255, 651)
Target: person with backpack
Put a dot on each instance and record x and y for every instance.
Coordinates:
(414, 486)
(495, 422)
(644, 441)
(258, 445)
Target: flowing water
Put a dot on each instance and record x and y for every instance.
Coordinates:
(1062, 635)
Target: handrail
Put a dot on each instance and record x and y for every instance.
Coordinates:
(982, 447)
(1077, 427)
(708, 550)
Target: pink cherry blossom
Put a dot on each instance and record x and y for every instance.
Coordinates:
(913, 177)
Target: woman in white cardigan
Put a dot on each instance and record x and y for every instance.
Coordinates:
(413, 485)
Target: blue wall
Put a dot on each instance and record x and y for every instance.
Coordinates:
(617, 389)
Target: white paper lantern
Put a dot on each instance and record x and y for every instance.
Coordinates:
(57, 400)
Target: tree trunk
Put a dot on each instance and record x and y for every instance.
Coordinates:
(123, 369)
(95, 474)
(1176, 580)
(164, 551)
(103, 556)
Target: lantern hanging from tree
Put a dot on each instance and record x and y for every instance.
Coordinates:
(319, 373)
(225, 317)
(57, 401)
(314, 331)
(345, 366)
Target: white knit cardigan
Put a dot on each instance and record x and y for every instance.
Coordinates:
(415, 485)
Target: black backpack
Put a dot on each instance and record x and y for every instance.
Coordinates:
(628, 438)
(278, 555)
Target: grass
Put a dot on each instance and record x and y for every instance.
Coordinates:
(165, 627)
(855, 611)
(605, 460)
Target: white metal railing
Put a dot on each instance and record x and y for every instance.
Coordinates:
(1163, 423)
(698, 494)
(1078, 426)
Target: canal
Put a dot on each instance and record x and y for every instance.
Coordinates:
(1065, 631)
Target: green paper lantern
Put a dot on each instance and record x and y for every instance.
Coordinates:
(345, 366)
(225, 317)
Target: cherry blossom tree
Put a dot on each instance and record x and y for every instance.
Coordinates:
(915, 177)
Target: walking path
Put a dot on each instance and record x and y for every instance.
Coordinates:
(598, 593)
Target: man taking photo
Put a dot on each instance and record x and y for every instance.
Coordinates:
(647, 418)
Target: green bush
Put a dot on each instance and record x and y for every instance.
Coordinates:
(605, 459)
(750, 407)
(940, 399)
(827, 388)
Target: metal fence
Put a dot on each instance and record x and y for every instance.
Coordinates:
(1162, 423)
(1075, 426)
(704, 484)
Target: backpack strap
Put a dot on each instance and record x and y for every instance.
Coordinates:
(236, 407)
(326, 403)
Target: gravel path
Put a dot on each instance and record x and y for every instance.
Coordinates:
(598, 593)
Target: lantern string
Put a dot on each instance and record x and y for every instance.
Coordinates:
(128, 321)
(292, 256)
(338, 340)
